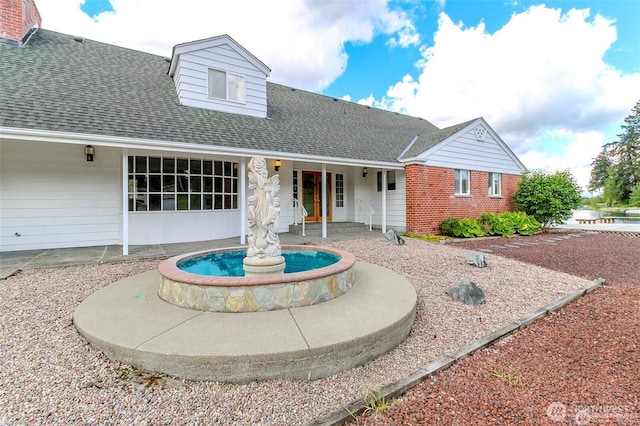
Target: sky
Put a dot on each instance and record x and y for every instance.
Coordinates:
(554, 79)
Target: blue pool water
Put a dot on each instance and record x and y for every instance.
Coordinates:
(229, 263)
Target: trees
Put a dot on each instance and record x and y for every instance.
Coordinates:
(617, 167)
(548, 197)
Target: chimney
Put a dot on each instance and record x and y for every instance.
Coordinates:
(19, 19)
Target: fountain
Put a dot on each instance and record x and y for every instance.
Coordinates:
(252, 313)
(202, 280)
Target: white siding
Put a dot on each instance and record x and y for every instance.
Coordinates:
(191, 80)
(176, 227)
(52, 197)
(467, 152)
(366, 190)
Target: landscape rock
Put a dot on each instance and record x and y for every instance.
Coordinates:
(467, 292)
(393, 237)
(476, 259)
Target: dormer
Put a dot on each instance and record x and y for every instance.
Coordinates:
(219, 74)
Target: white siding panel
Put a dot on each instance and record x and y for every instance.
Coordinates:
(191, 80)
(177, 227)
(466, 152)
(52, 197)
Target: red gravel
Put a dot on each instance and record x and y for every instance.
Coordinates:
(578, 366)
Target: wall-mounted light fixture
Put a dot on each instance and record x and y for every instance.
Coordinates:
(90, 152)
(364, 172)
(278, 164)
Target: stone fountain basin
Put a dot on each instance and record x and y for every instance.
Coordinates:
(255, 293)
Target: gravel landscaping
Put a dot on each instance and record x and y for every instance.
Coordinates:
(50, 375)
(578, 366)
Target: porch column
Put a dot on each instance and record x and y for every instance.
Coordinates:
(324, 200)
(125, 202)
(243, 201)
(384, 201)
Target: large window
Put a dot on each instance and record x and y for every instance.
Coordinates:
(223, 85)
(494, 184)
(461, 182)
(170, 184)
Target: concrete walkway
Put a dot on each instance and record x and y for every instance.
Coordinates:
(13, 261)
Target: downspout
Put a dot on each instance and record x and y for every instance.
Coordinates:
(243, 202)
(125, 202)
(324, 200)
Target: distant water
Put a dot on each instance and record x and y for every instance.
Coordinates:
(632, 215)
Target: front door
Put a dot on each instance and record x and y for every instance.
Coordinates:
(312, 195)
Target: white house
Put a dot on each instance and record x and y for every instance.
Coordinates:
(105, 145)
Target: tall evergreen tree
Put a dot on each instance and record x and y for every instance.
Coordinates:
(619, 161)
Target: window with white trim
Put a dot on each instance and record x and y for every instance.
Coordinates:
(185, 184)
(494, 184)
(339, 190)
(461, 182)
(227, 86)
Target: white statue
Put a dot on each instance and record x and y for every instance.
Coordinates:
(263, 214)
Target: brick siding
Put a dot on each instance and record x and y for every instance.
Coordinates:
(17, 17)
(431, 199)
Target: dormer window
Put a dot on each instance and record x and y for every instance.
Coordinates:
(226, 86)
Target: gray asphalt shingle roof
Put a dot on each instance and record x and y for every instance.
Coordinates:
(55, 83)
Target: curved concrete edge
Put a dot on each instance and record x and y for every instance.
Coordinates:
(131, 324)
(400, 386)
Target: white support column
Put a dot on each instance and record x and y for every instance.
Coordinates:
(125, 202)
(384, 201)
(324, 200)
(243, 201)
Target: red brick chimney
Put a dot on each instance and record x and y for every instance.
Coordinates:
(18, 21)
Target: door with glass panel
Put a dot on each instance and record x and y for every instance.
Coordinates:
(312, 195)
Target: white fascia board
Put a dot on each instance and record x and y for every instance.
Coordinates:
(179, 147)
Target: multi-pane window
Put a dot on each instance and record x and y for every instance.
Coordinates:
(339, 190)
(223, 85)
(170, 184)
(494, 184)
(391, 180)
(295, 185)
(461, 181)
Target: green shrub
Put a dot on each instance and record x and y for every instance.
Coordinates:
(498, 224)
(466, 227)
(522, 223)
(505, 225)
(549, 197)
(448, 225)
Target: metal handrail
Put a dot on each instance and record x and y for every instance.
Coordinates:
(371, 212)
(298, 207)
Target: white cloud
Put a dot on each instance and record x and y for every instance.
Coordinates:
(574, 152)
(542, 73)
(302, 41)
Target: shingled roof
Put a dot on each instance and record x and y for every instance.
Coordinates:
(56, 83)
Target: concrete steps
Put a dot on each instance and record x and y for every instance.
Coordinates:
(315, 228)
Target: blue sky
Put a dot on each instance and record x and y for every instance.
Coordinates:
(555, 79)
